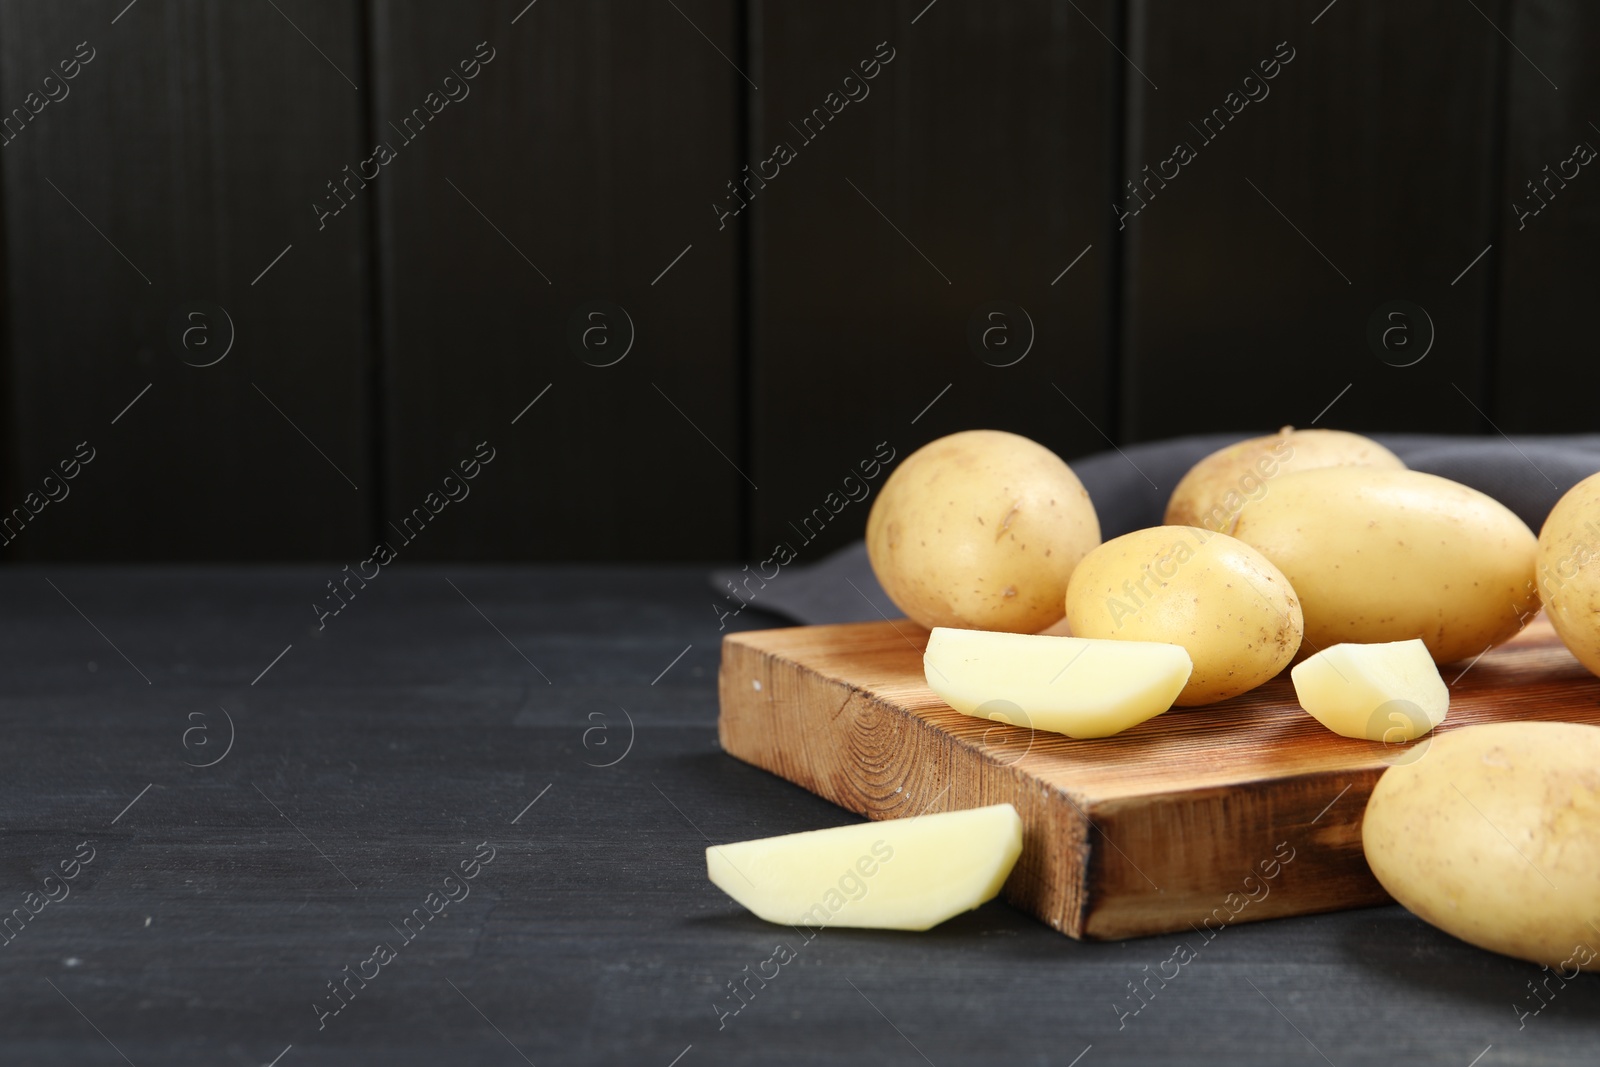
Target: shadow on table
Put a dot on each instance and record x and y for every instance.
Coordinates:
(1397, 948)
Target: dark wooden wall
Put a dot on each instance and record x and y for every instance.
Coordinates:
(934, 238)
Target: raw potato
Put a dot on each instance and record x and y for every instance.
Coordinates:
(1389, 692)
(1067, 685)
(1217, 488)
(1569, 570)
(1491, 837)
(1232, 610)
(1386, 555)
(981, 530)
(900, 874)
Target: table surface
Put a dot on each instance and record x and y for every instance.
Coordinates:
(458, 712)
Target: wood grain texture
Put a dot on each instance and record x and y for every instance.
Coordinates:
(1363, 174)
(578, 169)
(177, 167)
(1153, 830)
(972, 170)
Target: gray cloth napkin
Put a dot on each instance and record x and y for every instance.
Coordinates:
(1130, 490)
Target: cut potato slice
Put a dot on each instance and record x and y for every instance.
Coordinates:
(1078, 686)
(1389, 692)
(900, 874)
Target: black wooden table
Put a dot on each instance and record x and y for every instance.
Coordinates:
(539, 747)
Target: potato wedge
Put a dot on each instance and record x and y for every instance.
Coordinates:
(1067, 685)
(898, 874)
(1390, 691)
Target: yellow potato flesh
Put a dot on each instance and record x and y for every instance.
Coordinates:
(900, 874)
(1067, 685)
(1490, 836)
(1389, 692)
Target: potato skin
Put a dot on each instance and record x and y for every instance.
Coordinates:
(1234, 612)
(1569, 570)
(981, 530)
(1388, 555)
(1217, 488)
(1490, 836)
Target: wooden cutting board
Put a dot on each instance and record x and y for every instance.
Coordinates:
(1182, 821)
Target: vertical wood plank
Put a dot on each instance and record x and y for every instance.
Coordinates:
(1544, 374)
(576, 171)
(1362, 174)
(970, 173)
(172, 169)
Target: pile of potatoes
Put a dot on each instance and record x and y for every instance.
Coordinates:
(1273, 552)
(1273, 549)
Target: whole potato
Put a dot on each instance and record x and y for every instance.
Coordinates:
(980, 530)
(1217, 488)
(1388, 555)
(1220, 599)
(1569, 570)
(1490, 836)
